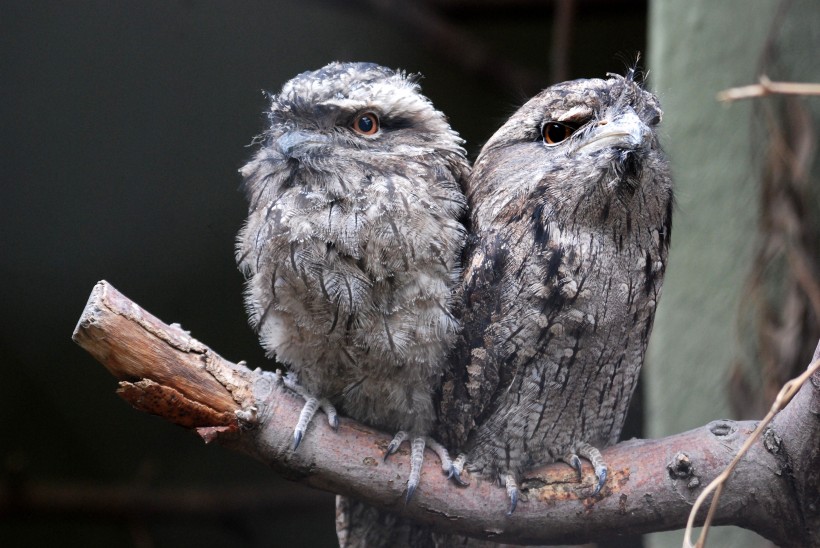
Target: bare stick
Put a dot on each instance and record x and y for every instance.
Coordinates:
(652, 486)
(783, 397)
(767, 87)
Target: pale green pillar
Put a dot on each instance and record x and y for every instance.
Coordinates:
(697, 48)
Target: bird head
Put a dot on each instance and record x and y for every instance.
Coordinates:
(584, 152)
(353, 111)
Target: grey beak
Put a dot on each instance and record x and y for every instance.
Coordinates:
(295, 144)
(627, 131)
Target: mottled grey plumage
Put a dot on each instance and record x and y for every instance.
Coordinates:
(561, 283)
(352, 243)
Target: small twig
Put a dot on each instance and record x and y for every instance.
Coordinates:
(767, 87)
(783, 397)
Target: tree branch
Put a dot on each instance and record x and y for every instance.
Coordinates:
(652, 483)
(767, 87)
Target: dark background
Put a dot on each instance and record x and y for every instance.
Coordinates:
(123, 126)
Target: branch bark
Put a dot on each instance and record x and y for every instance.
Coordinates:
(652, 484)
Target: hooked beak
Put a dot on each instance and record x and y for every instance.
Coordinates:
(626, 131)
(297, 144)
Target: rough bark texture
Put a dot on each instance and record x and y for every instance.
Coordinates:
(653, 483)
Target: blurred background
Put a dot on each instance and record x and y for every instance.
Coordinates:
(124, 124)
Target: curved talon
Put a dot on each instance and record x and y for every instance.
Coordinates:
(455, 475)
(411, 488)
(308, 410)
(513, 502)
(312, 404)
(512, 492)
(330, 412)
(594, 456)
(416, 461)
(395, 443)
(458, 468)
(452, 468)
(392, 448)
(575, 462)
(600, 474)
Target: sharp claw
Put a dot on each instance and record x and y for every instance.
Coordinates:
(411, 488)
(601, 475)
(416, 460)
(395, 443)
(455, 475)
(575, 462)
(312, 404)
(512, 491)
(392, 448)
(513, 501)
(594, 456)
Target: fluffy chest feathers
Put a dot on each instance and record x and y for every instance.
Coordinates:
(352, 239)
(571, 204)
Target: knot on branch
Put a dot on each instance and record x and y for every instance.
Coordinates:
(681, 468)
(722, 428)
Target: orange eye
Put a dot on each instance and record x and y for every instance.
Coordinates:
(555, 132)
(366, 124)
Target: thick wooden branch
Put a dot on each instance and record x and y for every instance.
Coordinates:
(652, 483)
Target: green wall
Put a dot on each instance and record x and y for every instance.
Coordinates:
(696, 49)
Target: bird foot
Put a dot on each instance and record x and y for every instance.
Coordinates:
(417, 446)
(512, 491)
(312, 404)
(594, 456)
(416, 459)
(395, 443)
(573, 460)
(453, 468)
(457, 468)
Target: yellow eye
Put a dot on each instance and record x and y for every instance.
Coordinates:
(366, 124)
(555, 132)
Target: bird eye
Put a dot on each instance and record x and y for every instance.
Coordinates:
(366, 124)
(555, 132)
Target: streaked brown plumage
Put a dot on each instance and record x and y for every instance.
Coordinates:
(570, 205)
(352, 243)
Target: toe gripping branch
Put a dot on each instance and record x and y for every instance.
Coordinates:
(584, 450)
(512, 491)
(312, 404)
(592, 455)
(417, 446)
